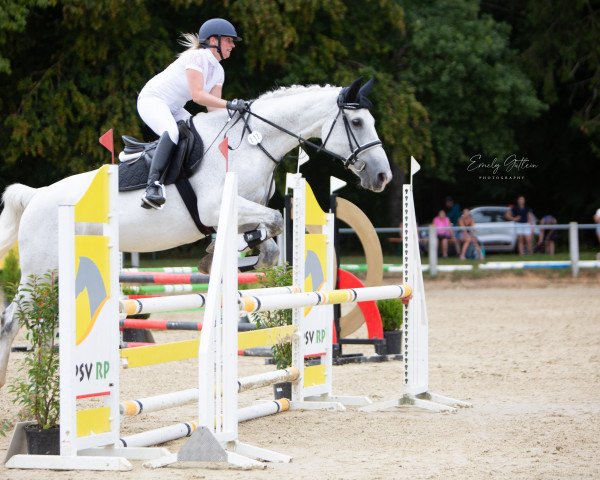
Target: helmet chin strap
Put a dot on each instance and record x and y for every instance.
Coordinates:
(217, 46)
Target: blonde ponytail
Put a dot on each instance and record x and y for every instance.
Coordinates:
(190, 41)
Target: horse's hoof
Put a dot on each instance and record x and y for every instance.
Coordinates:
(205, 263)
(211, 247)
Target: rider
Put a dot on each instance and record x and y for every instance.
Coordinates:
(195, 75)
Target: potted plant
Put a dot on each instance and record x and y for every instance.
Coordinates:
(392, 314)
(37, 388)
(278, 276)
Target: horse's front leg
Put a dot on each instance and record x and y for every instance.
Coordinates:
(257, 226)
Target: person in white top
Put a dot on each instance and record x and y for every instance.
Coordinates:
(195, 75)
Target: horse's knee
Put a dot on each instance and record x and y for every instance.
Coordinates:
(209, 212)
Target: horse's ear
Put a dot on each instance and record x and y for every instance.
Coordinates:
(353, 90)
(348, 94)
(363, 93)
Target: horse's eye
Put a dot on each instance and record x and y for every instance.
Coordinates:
(357, 122)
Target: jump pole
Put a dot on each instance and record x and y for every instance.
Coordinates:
(184, 302)
(181, 278)
(186, 429)
(156, 403)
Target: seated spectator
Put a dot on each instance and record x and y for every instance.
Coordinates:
(423, 240)
(467, 234)
(523, 216)
(597, 220)
(546, 240)
(444, 232)
(452, 210)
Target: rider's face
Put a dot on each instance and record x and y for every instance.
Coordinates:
(227, 45)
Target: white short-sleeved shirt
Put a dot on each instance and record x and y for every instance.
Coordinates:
(171, 84)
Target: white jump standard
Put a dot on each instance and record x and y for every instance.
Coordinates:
(415, 342)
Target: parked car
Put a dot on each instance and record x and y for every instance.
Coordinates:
(493, 231)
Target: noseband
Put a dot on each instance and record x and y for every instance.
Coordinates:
(355, 148)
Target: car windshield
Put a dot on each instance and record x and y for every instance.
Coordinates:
(489, 215)
(482, 217)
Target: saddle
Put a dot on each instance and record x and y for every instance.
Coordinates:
(137, 156)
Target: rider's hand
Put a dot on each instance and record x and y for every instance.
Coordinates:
(237, 105)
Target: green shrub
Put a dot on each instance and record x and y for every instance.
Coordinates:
(278, 276)
(392, 313)
(38, 391)
(11, 274)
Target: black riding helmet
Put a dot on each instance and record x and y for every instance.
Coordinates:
(217, 27)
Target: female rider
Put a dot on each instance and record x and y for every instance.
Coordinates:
(195, 75)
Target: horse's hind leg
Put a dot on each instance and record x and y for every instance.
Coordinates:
(9, 327)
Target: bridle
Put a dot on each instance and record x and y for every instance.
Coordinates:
(356, 149)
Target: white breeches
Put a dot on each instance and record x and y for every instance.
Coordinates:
(159, 117)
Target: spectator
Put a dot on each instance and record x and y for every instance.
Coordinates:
(423, 240)
(467, 234)
(444, 232)
(546, 240)
(452, 210)
(597, 220)
(523, 216)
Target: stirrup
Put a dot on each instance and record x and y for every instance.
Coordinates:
(147, 203)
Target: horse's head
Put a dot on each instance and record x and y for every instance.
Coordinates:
(352, 137)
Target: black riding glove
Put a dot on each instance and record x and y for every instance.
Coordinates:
(237, 105)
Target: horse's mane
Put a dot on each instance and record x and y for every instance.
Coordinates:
(293, 90)
(278, 93)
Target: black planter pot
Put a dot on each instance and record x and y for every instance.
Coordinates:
(393, 342)
(137, 335)
(42, 442)
(282, 390)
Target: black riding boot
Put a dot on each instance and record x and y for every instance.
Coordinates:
(155, 191)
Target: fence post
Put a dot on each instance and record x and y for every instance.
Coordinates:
(433, 249)
(574, 247)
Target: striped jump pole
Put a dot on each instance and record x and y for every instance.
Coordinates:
(185, 429)
(399, 269)
(156, 403)
(185, 302)
(257, 303)
(180, 278)
(362, 267)
(152, 324)
(161, 270)
(162, 289)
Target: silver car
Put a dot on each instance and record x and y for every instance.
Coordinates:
(493, 231)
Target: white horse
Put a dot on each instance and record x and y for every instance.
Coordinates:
(284, 117)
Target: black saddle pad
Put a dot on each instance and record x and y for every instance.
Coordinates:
(133, 175)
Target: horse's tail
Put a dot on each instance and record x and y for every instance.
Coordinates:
(16, 197)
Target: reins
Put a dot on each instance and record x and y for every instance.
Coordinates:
(346, 161)
(355, 148)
